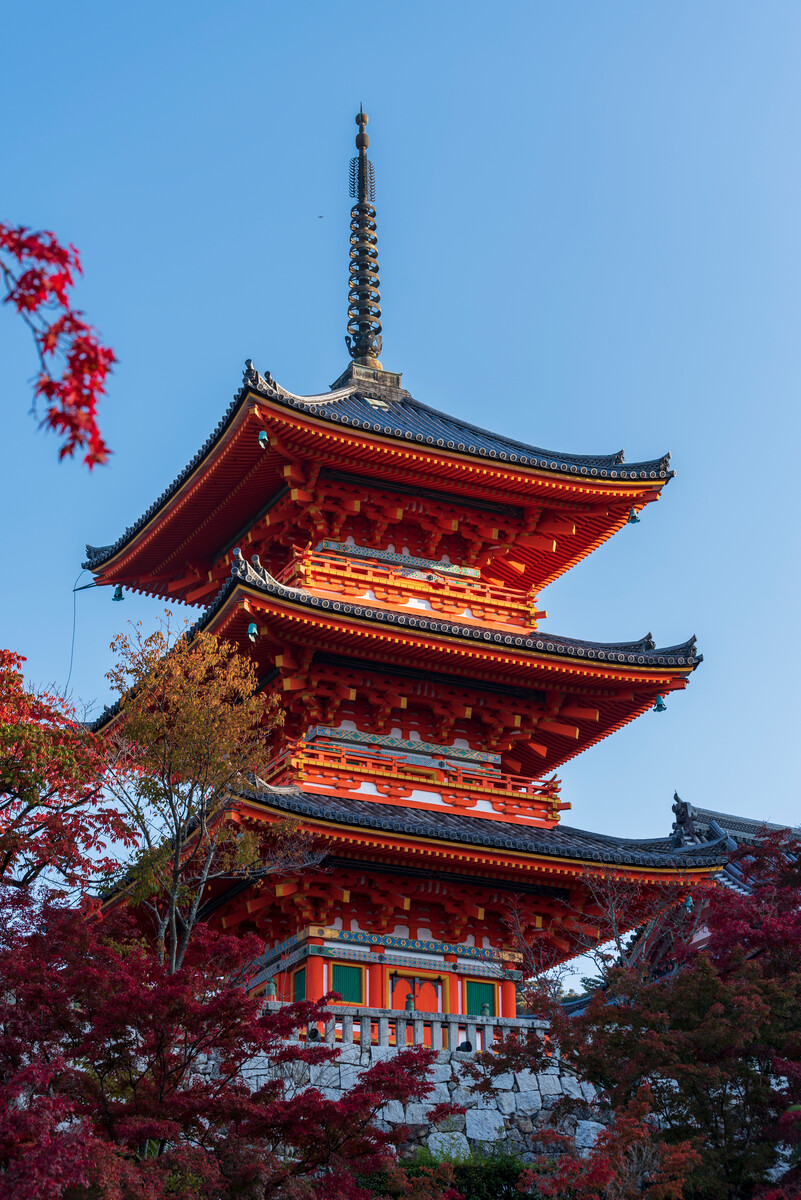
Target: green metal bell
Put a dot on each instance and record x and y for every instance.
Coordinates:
(118, 593)
(659, 704)
(253, 631)
(633, 518)
(264, 441)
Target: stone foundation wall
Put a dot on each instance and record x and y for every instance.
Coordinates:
(504, 1121)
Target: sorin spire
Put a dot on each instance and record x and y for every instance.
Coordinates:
(364, 299)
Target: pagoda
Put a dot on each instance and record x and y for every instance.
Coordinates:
(382, 563)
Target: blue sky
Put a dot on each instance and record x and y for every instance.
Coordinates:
(589, 238)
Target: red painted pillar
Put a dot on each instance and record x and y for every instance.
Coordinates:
(451, 988)
(375, 975)
(314, 977)
(508, 999)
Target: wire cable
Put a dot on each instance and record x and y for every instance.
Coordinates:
(74, 622)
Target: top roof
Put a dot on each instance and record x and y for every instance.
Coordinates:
(372, 401)
(380, 405)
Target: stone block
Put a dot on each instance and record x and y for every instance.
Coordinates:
(470, 1099)
(332, 1093)
(416, 1114)
(439, 1094)
(527, 1103)
(505, 1082)
(379, 1053)
(550, 1085)
(587, 1133)
(505, 1102)
(439, 1073)
(588, 1092)
(449, 1145)
(324, 1075)
(526, 1081)
(572, 1087)
(350, 1053)
(392, 1112)
(349, 1075)
(484, 1125)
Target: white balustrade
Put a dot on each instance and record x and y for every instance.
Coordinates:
(347, 1023)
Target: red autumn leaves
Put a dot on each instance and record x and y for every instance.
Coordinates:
(39, 273)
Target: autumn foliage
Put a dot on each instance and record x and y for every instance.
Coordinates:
(700, 1067)
(120, 1079)
(191, 734)
(628, 1160)
(39, 274)
(53, 819)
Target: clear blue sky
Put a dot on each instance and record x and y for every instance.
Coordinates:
(590, 223)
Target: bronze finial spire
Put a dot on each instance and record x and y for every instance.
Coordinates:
(364, 307)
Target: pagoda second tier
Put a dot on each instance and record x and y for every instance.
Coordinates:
(367, 464)
(405, 706)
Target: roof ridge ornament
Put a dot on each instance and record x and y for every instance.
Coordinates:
(363, 338)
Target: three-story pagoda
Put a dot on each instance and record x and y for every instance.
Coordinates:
(382, 564)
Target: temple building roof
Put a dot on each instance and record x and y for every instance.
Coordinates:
(559, 842)
(642, 652)
(388, 409)
(699, 827)
(387, 412)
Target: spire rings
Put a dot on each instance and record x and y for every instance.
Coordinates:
(364, 296)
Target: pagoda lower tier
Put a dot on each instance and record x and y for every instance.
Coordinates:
(409, 902)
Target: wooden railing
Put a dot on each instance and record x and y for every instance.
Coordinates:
(340, 770)
(340, 576)
(349, 1025)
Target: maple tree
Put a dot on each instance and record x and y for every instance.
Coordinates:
(192, 733)
(121, 1079)
(38, 274)
(628, 1160)
(54, 820)
(717, 1041)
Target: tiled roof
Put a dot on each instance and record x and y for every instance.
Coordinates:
(401, 416)
(560, 842)
(699, 827)
(642, 652)
(398, 416)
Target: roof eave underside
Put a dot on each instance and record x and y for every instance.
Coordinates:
(576, 469)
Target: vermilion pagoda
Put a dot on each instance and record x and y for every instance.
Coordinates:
(382, 563)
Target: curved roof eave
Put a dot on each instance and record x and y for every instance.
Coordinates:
(560, 842)
(416, 422)
(641, 652)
